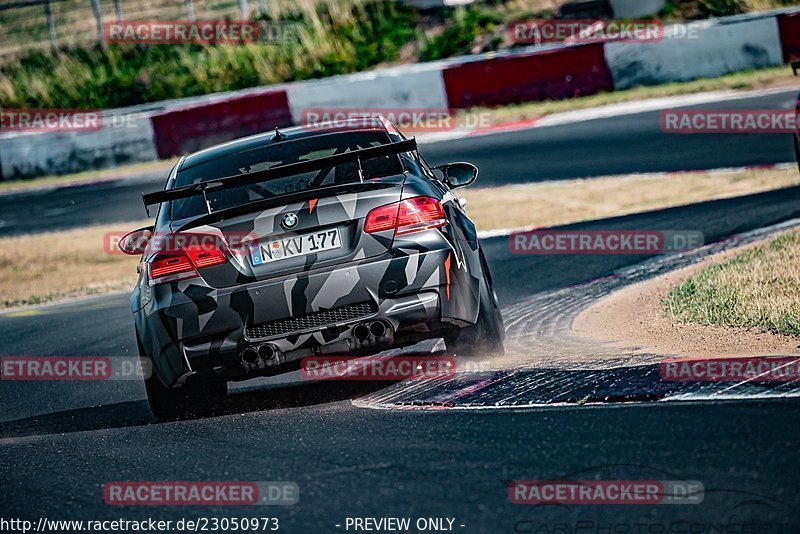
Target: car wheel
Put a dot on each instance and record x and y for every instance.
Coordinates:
(485, 337)
(186, 402)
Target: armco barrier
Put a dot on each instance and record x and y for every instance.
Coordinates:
(722, 47)
(412, 86)
(189, 128)
(789, 27)
(49, 153)
(542, 75)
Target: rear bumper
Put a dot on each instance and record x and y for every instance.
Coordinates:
(395, 314)
(190, 330)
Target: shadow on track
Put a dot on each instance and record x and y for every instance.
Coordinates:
(137, 413)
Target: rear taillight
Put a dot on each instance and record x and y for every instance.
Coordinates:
(420, 213)
(383, 218)
(172, 265)
(407, 216)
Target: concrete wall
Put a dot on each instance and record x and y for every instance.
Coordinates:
(720, 48)
(626, 9)
(48, 153)
(416, 86)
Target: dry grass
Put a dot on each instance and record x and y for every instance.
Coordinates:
(24, 28)
(761, 5)
(759, 288)
(635, 318)
(569, 201)
(53, 265)
(49, 266)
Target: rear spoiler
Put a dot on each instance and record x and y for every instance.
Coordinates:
(283, 171)
(795, 67)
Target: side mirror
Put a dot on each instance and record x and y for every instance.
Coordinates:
(458, 174)
(795, 67)
(134, 243)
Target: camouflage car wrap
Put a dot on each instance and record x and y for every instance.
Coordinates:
(416, 286)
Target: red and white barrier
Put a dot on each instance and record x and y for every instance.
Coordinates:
(562, 72)
(189, 128)
(789, 27)
(166, 129)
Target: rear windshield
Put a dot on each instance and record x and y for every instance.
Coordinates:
(278, 154)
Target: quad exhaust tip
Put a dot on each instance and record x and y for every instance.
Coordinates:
(375, 329)
(265, 352)
(250, 356)
(361, 331)
(367, 332)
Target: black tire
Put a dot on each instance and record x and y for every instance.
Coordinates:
(485, 337)
(797, 149)
(186, 402)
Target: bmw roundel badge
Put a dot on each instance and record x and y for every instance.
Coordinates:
(289, 221)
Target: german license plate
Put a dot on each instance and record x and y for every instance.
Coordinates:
(292, 247)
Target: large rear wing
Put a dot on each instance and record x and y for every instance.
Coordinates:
(283, 171)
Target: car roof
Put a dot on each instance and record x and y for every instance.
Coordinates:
(366, 123)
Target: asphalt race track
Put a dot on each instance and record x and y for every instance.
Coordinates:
(374, 449)
(615, 145)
